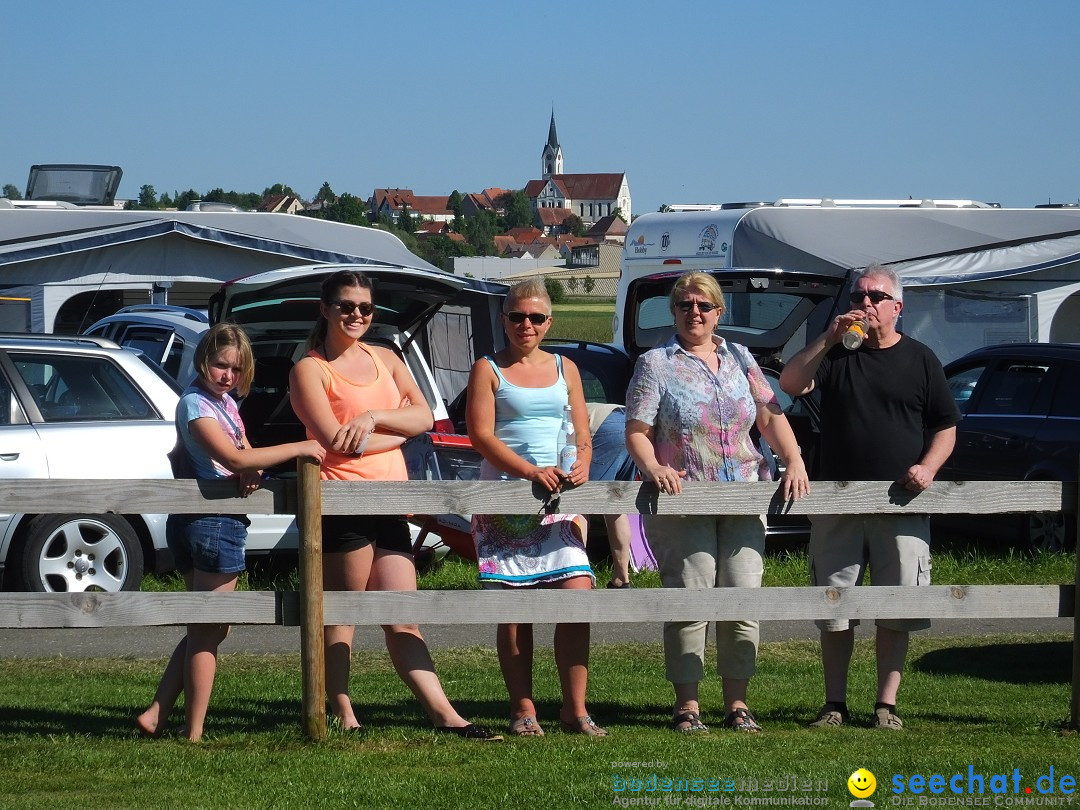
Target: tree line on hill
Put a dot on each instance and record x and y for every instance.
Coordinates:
(478, 231)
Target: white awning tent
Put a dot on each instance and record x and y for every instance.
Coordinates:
(927, 246)
(50, 255)
(971, 276)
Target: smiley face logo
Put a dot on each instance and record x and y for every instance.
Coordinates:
(861, 783)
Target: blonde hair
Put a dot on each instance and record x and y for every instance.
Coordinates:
(223, 336)
(703, 283)
(529, 288)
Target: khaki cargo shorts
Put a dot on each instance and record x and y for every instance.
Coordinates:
(896, 548)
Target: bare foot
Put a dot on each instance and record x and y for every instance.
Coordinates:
(148, 723)
(351, 724)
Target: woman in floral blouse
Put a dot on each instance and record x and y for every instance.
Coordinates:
(689, 410)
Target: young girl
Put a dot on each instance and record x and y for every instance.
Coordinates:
(209, 549)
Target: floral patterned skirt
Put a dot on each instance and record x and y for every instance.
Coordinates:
(519, 550)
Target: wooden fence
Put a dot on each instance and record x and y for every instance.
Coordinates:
(311, 609)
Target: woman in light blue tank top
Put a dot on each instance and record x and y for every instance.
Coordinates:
(527, 421)
(515, 407)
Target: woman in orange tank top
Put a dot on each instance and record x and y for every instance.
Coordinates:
(361, 403)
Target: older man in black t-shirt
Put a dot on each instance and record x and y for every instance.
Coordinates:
(887, 415)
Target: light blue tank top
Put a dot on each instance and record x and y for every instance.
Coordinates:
(527, 420)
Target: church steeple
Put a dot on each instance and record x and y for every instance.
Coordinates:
(551, 160)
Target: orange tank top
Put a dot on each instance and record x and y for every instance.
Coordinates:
(349, 399)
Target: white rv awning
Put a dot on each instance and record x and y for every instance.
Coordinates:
(926, 246)
(29, 235)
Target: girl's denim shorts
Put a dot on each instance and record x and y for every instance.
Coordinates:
(211, 543)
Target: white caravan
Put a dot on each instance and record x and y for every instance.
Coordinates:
(973, 274)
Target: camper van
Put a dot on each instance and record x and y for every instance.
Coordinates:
(973, 274)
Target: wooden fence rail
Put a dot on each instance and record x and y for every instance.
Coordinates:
(311, 609)
(148, 496)
(539, 606)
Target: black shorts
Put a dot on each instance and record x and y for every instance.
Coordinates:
(343, 533)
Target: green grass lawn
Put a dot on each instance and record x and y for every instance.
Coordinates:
(955, 563)
(995, 703)
(583, 321)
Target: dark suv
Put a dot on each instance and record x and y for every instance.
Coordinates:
(1021, 422)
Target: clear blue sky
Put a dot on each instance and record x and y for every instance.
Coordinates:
(695, 101)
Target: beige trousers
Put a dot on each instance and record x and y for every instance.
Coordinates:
(704, 551)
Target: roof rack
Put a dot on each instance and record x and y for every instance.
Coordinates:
(49, 337)
(829, 202)
(171, 309)
(728, 206)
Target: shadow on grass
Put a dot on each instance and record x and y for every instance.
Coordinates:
(239, 716)
(1036, 663)
(119, 721)
(283, 716)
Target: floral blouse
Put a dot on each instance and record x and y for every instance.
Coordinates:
(701, 421)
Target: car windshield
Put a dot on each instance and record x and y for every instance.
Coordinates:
(766, 311)
(753, 313)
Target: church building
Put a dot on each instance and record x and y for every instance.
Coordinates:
(591, 196)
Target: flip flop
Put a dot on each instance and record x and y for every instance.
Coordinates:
(471, 732)
(526, 726)
(583, 725)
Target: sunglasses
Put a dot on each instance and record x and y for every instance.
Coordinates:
(366, 308)
(704, 307)
(535, 318)
(875, 296)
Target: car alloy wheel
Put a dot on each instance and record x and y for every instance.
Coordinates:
(73, 553)
(1050, 531)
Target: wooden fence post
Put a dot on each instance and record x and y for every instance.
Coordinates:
(1074, 713)
(312, 655)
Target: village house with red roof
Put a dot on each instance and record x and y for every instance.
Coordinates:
(391, 202)
(281, 204)
(490, 199)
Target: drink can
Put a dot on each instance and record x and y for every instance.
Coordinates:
(567, 457)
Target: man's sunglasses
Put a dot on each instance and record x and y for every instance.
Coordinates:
(704, 307)
(875, 296)
(535, 318)
(366, 308)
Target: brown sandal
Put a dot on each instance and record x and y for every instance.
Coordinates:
(742, 720)
(688, 723)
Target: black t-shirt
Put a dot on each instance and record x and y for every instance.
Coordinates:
(879, 408)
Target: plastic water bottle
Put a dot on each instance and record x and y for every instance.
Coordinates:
(567, 441)
(855, 335)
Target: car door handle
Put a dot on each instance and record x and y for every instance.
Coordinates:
(9, 456)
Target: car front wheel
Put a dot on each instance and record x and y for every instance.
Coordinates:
(1049, 531)
(70, 553)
